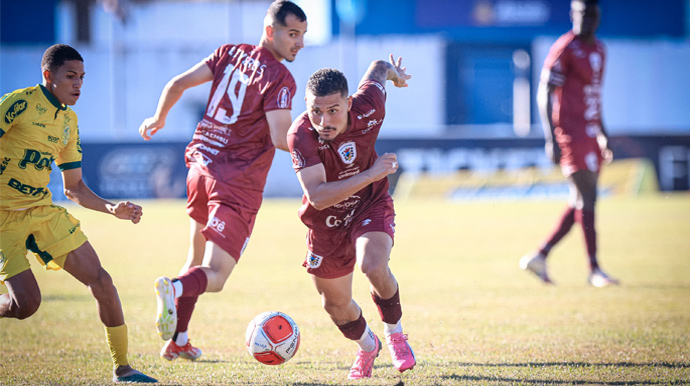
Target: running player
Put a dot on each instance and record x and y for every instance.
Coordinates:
(246, 118)
(569, 100)
(346, 205)
(38, 128)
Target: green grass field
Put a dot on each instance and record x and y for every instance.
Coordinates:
(473, 317)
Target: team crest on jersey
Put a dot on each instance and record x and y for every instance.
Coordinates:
(348, 152)
(313, 260)
(284, 98)
(40, 109)
(297, 159)
(65, 135)
(17, 108)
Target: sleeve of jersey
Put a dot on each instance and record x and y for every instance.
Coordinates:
(12, 106)
(372, 94)
(279, 94)
(213, 59)
(70, 157)
(303, 149)
(555, 67)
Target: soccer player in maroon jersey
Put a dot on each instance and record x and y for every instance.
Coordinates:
(246, 118)
(346, 205)
(569, 100)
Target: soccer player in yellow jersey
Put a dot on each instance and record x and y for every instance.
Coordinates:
(37, 128)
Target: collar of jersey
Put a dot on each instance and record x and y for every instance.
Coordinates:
(51, 98)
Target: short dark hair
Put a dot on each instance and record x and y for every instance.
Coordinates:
(56, 55)
(279, 9)
(327, 81)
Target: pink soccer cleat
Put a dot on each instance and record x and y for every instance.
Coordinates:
(364, 362)
(401, 352)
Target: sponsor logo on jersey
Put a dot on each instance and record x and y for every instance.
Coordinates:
(37, 159)
(334, 221)
(284, 98)
(4, 164)
(348, 203)
(348, 152)
(15, 109)
(366, 222)
(27, 190)
(368, 113)
(53, 139)
(39, 124)
(314, 260)
(40, 109)
(217, 225)
(297, 159)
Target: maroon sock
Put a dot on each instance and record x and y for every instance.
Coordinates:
(389, 309)
(194, 282)
(562, 228)
(185, 307)
(587, 222)
(354, 330)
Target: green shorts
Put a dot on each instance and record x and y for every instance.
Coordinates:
(48, 231)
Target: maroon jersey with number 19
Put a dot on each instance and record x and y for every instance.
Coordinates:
(232, 143)
(350, 153)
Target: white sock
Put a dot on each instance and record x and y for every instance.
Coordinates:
(368, 340)
(182, 339)
(390, 329)
(177, 285)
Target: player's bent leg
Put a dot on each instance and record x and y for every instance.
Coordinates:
(84, 265)
(373, 253)
(336, 298)
(23, 297)
(197, 243)
(218, 264)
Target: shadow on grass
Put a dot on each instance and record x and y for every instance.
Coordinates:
(470, 378)
(672, 365)
(473, 378)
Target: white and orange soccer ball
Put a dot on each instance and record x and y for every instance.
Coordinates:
(272, 338)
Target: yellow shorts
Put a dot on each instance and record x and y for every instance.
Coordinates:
(48, 231)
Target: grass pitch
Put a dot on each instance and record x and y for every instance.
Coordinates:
(472, 316)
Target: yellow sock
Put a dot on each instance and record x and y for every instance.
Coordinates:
(117, 341)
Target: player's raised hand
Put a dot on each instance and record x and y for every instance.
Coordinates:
(126, 210)
(149, 127)
(401, 79)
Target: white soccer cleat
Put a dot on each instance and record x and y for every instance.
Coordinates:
(166, 314)
(600, 280)
(536, 263)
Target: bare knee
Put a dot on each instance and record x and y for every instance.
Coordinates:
(375, 269)
(23, 306)
(102, 285)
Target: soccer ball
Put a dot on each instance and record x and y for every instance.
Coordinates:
(272, 338)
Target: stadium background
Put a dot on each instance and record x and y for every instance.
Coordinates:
(466, 128)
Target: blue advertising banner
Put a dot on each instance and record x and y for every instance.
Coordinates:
(157, 170)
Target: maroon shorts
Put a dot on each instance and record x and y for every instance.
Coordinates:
(332, 252)
(229, 212)
(580, 156)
